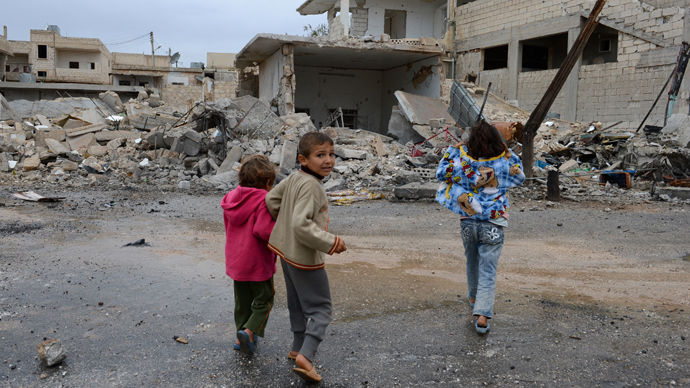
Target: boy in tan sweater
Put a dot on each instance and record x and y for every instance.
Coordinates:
(301, 239)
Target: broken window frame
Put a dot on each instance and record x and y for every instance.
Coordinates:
(349, 117)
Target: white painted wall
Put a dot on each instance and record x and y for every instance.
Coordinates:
(376, 21)
(400, 78)
(420, 17)
(270, 73)
(179, 79)
(320, 89)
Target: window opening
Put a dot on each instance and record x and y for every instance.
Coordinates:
(349, 117)
(42, 51)
(92, 65)
(496, 58)
(74, 65)
(124, 83)
(605, 45)
(394, 24)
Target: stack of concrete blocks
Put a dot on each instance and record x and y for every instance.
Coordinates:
(360, 21)
(336, 30)
(647, 48)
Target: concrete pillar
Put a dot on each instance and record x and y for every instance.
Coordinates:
(3, 61)
(572, 84)
(345, 16)
(514, 65)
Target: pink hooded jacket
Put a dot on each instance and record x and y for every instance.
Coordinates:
(248, 225)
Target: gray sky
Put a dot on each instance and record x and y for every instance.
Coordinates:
(189, 27)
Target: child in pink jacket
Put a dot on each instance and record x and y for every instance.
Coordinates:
(248, 261)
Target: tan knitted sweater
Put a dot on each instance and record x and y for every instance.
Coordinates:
(300, 236)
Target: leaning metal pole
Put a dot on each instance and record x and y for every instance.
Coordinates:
(544, 105)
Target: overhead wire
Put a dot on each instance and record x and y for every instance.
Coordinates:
(128, 41)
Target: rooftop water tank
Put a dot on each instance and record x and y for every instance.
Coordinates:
(54, 28)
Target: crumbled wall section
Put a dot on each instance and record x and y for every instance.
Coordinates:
(360, 22)
(180, 95)
(224, 89)
(648, 35)
(335, 26)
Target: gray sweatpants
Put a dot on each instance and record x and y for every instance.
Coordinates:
(309, 303)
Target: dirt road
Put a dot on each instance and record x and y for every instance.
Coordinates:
(589, 294)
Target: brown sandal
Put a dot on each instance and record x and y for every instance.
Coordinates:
(310, 376)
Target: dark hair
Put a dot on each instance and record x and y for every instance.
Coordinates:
(485, 141)
(310, 140)
(257, 172)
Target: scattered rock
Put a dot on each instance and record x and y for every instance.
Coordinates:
(51, 352)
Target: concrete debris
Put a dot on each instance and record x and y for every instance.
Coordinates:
(51, 352)
(203, 147)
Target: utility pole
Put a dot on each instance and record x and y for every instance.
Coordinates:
(153, 60)
(549, 97)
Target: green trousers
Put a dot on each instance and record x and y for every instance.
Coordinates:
(253, 304)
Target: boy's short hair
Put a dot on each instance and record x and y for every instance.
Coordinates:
(310, 140)
(257, 172)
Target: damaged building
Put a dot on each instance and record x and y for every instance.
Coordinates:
(353, 80)
(519, 46)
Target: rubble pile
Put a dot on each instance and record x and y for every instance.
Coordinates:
(136, 144)
(108, 143)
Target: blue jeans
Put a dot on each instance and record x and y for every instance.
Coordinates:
(483, 242)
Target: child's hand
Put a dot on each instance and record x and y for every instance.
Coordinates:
(340, 247)
(462, 143)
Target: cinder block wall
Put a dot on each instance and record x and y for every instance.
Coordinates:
(611, 92)
(335, 27)
(224, 89)
(359, 22)
(179, 95)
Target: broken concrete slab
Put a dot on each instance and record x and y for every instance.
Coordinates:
(230, 178)
(422, 109)
(56, 147)
(85, 129)
(72, 123)
(112, 100)
(400, 128)
(43, 120)
(98, 151)
(676, 133)
(288, 157)
(106, 136)
(41, 136)
(83, 141)
(234, 156)
(347, 153)
(570, 165)
(416, 190)
(51, 352)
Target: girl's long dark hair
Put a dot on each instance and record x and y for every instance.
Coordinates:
(485, 141)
